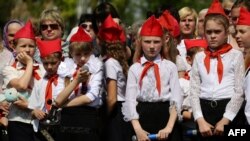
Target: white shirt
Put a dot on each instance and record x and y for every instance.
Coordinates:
(207, 86)
(113, 70)
(185, 87)
(247, 95)
(170, 87)
(95, 81)
(9, 73)
(37, 98)
(183, 53)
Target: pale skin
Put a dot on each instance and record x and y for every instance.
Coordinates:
(151, 46)
(216, 35)
(111, 94)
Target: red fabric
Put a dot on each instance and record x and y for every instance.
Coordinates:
(47, 47)
(25, 32)
(148, 65)
(168, 22)
(217, 54)
(186, 75)
(151, 27)
(190, 43)
(216, 8)
(81, 36)
(34, 73)
(244, 18)
(74, 76)
(110, 31)
(48, 92)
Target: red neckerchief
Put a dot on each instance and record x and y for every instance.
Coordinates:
(34, 73)
(147, 66)
(48, 93)
(74, 76)
(217, 54)
(186, 75)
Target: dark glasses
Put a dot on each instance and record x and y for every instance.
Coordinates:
(86, 25)
(52, 26)
(227, 11)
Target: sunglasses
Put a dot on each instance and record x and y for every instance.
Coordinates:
(52, 26)
(84, 26)
(227, 11)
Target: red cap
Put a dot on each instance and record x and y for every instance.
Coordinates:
(170, 23)
(110, 30)
(216, 8)
(191, 43)
(47, 47)
(80, 36)
(244, 18)
(25, 32)
(151, 27)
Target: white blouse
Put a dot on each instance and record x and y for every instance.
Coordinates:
(207, 86)
(247, 95)
(170, 87)
(113, 70)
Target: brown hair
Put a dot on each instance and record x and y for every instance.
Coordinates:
(218, 18)
(85, 47)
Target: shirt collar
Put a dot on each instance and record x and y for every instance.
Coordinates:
(157, 59)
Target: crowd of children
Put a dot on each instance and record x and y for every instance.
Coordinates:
(86, 89)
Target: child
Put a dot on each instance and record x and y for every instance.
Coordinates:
(81, 99)
(51, 84)
(216, 81)
(116, 68)
(242, 38)
(22, 75)
(149, 104)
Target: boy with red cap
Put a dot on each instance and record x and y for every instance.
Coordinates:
(115, 68)
(81, 98)
(22, 75)
(216, 81)
(48, 88)
(153, 95)
(242, 38)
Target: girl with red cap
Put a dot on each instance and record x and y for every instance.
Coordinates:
(216, 79)
(242, 38)
(22, 75)
(153, 95)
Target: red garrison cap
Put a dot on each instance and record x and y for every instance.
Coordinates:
(110, 30)
(81, 36)
(25, 32)
(47, 47)
(170, 23)
(190, 43)
(244, 18)
(151, 27)
(216, 8)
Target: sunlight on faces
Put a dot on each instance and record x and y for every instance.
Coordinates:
(187, 25)
(51, 63)
(25, 45)
(80, 56)
(151, 46)
(243, 36)
(12, 29)
(215, 34)
(50, 30)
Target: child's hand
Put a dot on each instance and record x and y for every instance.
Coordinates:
(24, 58)
(204, 127)
(4, 121)
(4, 106)
(141, 135)
(219, 127)
(164, 133)
(83, 75)
(21, 102)
(38, 114)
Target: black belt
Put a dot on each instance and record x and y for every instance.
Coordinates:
(214, 103)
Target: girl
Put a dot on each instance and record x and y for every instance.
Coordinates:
(149, 104)
(216, 79)
(242, 38)
(116, 68)
(22, 75)
(81, 99)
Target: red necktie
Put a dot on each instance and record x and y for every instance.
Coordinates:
(157, 75)
(48, 94)
(34, 73)
(74, 76)
(217, 54)
(186, 75)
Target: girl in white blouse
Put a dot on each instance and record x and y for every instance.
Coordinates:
(216, 80)
(153, 95)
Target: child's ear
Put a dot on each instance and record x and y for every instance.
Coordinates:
(189, 60)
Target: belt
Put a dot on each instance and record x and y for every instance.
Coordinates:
(214, 103)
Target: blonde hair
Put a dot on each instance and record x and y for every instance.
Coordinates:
(54, 15)
(187, 11)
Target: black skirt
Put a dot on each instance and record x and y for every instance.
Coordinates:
(153, 116)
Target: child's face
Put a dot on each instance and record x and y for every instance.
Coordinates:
(243, 36)
(25, 45)
(151, 46)
(215, 34)
(80, 58)
(51, 64)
